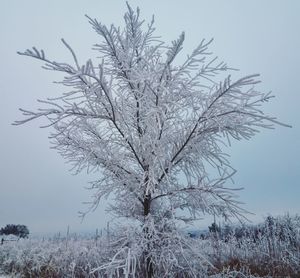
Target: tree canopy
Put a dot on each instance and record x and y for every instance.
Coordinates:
(154, 129)
(17, 230)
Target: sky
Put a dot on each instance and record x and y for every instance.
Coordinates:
(36, 186)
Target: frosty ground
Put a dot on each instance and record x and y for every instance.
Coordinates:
(271, 249)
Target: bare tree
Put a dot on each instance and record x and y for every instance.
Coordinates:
(153, 129)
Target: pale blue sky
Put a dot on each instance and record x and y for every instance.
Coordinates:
(258, 36)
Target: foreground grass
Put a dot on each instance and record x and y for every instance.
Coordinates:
(273, 250)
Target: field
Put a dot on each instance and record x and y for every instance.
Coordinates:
(271, 249)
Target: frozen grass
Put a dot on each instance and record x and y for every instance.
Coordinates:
(268, 250)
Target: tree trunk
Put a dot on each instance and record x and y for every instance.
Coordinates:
(148, 272)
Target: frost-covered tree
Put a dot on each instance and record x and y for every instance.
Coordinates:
(17, 230)
(153, 128)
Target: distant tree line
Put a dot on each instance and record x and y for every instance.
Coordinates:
(20, 231)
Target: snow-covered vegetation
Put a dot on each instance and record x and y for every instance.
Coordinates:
(271, 249)
(153, 128)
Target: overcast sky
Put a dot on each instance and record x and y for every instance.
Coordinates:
(36, 187)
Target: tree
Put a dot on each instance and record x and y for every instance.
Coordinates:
(17, 230)
(153, 129)
(214, 228)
